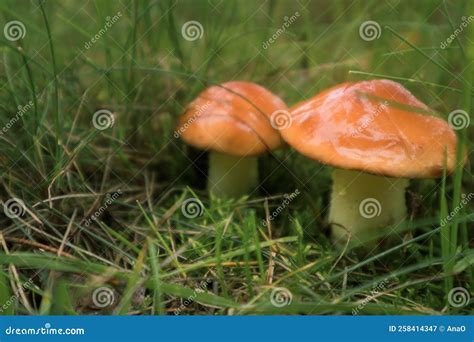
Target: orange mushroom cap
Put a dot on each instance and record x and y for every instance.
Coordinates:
(232, 118)
(375, 126)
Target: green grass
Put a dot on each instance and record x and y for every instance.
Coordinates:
(142, 245)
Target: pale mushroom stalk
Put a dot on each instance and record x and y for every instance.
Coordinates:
(231, 176)
(362, 203)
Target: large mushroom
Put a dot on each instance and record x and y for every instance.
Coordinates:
(377, 135)
(232, 121)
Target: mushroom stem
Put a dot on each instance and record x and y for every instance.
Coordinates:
(231, 176)
(363, 205)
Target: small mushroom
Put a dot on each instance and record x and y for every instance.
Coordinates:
(232, 121)
(378, 136)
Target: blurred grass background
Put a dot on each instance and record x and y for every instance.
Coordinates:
(142, 249)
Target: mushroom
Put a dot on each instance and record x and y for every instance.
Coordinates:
(232, 120)
(377, 135)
